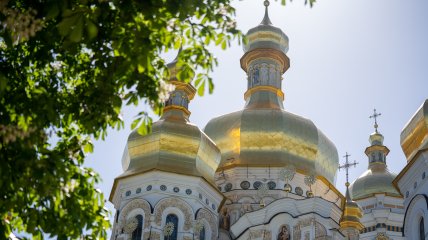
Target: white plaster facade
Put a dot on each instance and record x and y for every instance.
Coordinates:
(413, 184)
(382, 214)
(305, 217)
(156, 194)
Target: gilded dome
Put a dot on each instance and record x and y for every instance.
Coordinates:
(376, 138)
(273, 137)
(265, 35)
(377, 179)
(352, 213)
(414, 136)
(263, 134)
(174, 145)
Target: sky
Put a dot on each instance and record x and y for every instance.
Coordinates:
(347, 58)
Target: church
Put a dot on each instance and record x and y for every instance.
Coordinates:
(263, 172)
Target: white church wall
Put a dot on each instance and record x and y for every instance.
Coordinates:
(156, 194)
(414, 186)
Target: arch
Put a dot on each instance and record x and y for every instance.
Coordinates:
(172, 210)
(202, 233)
(283, 232)
(138, 232)
(421, 229)
(416, 213)
(172, 218)
(132, 209)
(320, 230)
(210, 222)
(174, 203)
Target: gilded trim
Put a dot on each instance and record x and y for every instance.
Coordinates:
(275, 90)
(174, 107)
(376, 147)
(373, 194)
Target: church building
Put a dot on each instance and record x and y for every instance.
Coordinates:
(262, 172)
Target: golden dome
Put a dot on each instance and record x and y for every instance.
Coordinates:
(377, 179)
(414, 136)
(265, 35)
(273, 137)
(263, 134)
(376, 138)
(174, 145)
(351, 214)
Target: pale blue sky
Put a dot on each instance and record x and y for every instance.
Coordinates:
(347, 57)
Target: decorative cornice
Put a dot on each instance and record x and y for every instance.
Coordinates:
(186, 87)
(258, 53)
(372, 148)
(303, 172)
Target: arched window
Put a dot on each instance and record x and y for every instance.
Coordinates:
(422, 229)
(137, 233)
(172, 218)
(202, 234)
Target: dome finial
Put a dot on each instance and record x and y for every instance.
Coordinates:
(346, 166)
(375, 115)
(266, 20)
(350, 223)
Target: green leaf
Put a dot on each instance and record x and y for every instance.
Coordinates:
(3, 83)
(88, 148)
(77, 30)
(135, 123)
(91, 29)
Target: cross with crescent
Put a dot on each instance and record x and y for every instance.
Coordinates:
(347, 165)
(375, 115)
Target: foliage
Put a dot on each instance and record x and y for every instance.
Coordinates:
(66, 69)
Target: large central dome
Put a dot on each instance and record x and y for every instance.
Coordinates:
(263, 134)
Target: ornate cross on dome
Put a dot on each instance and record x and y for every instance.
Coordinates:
(375, 115)
(346, 166)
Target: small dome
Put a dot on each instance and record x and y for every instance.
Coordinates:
(376, 138)
(375, 180)
(265, 137)
(265, 35)
(352, 213)
(173, 146)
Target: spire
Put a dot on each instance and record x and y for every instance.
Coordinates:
(177, 104)
(265, 61)
(266, 20)
(350, 221)
(348, 195)
(376, 152)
